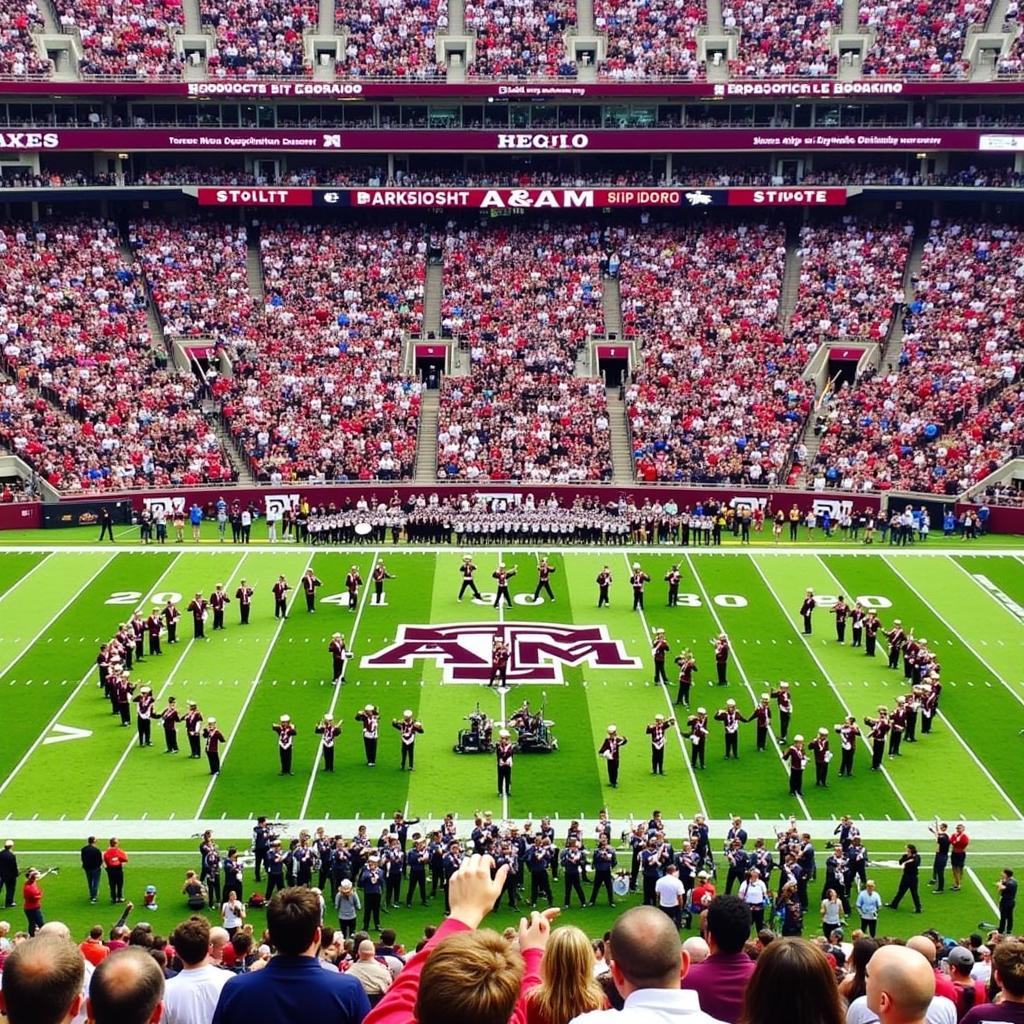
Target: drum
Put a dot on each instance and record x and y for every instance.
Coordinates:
(362, 529)
(620, 885)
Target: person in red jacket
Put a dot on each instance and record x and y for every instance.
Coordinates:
(114, 859)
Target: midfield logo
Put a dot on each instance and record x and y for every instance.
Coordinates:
(538, 650)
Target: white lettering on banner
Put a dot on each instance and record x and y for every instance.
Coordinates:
(848, 141)
(169, 503)
(1001, 143)
(777, 196)
(823, 88)
(332, 142)
(521, 198)
(29, 140)
(835, 507)
(261, 196)
(276, 504)
(275, 89)
(412, 197)
(751, 502)
(542, 140)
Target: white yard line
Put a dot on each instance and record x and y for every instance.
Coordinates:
(252, 690)
(743, 675)
(828, 678)
(21, 579)
(984, 892)
(74, 693)
(367, 586)
(671, 710)
(156, 700)
(953, 732)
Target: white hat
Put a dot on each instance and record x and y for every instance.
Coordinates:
(407, 713)
(702, 711)
(783, 686)
(765, 696)
(611, 729)
(657, 631)
(659, 718)
(798, 739)
(328, 717)
(346, 884)
(730, 703)
(823, 731)
(211, 721)
(145, 689)
(335, 636)
(504, 734)
(369, 707)
(636, 565)
(286, 718)
(897, 622)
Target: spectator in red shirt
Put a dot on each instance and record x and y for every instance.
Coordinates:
(114, 859)
(93, 948)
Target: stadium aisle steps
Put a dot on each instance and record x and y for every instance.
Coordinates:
(254, 268)
(426, 444)
(432, 290)
(894, 342)
(612, 300)
(622, 454)
(790, 276)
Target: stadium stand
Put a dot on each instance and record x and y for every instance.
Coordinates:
(258, 37)
(650, 39)
(392, 38)
(782, 39)
(18, 53)
(521, 38)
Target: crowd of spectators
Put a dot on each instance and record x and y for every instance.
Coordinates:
(256, 38)
(90, 403)
(125, 37)
(521, 38)
(920, 37)
(18, 52)
(650, 39)
(851, 280)
(945, 414)
(392, 38)
(524, 301)
(783, 39)
(718, 396)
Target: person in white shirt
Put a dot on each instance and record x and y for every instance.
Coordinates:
(754, 893)
(647, 964)
(671, 893)
(901, 990)
(191, 996)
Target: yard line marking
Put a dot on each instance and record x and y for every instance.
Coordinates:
(954, 732)
(25, 648)
(825, 675)
(74, 693)
(503, 709)
(18, 582)
(671, 710)
(338, 686)
(156, 697)
(984, 892)
(739, 668)
(252, 691)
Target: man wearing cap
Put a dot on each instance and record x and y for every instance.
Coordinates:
(466, 570)
(797, 761)
(897, 722)
(822, 756)
(785, 702)
(310, 581)
(731, 719)
(659, 650)
(328, 732)
(370, 719)
(214, 738)
(807, 609)
(609, 750)
(169, 719)
(408, 730)
(8, 873)
(503, 575)
(672, 578)
(218, 601)
(604, 580)
(841, 611)
(144, 715)
(197, 606)
(154, 626)
(274, 863)
(193, 729)
(879, 730)
(336, 648)
(544, 571)
(872, 625)
(244, 595)
(500, 654)
(848, 732)
(353, 581)
(897, 640)
(762, 715)
(638, 579)
(721, 645)
(687, 666)
(698, 736)
(969, 993)
(280, 591)
(657, 731)
(504, 751)
(285, 740)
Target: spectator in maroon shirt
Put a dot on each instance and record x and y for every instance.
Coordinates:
(1008, 972)
(720, 980)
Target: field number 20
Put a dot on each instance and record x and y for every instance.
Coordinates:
(134, 597)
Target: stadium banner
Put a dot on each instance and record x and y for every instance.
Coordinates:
(352, 90)
(21, 515)
(430, 351)
(76, 512)
(252, 196)
(374, 140)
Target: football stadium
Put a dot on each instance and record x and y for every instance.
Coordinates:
(443, 468)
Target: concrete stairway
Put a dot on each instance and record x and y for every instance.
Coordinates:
(612, 301)
(426, 442)
(325, 19)
(433, 290)
(622, 452)
(790, 277)
(456, 17)
(192, 15)
(254, 269)
(894, 340)
(584, 17)
(241, 463)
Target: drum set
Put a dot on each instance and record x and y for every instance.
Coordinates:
(478, 738)
(534, 735)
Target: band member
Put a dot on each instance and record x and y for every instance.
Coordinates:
(123, 689)
(214, 738)
(574, 868)
(466, 570)
(897, 723)
(503, 575)
(739, 864)
(197, 606)
(339, 656)
(857, 617)
(841, 611)
(698, 736)
(785, 702)
(911, 649)
(280, 591)
(822, 756)
(879, 730)
(871, 627)
(731, 719)
(154, 626)
(604, 862)
(659, 649)
(370, 718)
(672, 578)
(538, 859)
(942, 844)
(500, 653)
(687, 666)
(408, 730)
(379, 575)
(721, 645)
(285, 742)
(171, 617)
(638, 580)
(910, 862)
(193, 729)
(657, 730)
(897, 640)
(138, 626)
(807, 609)
(604, 580)
(144, 715)
(848, 733)
(353, 581)
(169, 719)
(762, 715)
(914, 703)
(218, 599)
(504, 752)
(310, 582)
(653, 859)
(244, 595)
(797, 761)
(544, 571)
(328, 733)
(609, 750)
(417, 860)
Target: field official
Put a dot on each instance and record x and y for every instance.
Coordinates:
(280, 591)
(214, 738)
(193, 729)
(609, 750)
(408, 731)
(218, 601)
(328, 733)
(604, 581)
(309, 584)
(244, 595)
(370, 719)
(807, 609)
(466, 571)
(285, 742)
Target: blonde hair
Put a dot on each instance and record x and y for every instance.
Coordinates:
(569, 987)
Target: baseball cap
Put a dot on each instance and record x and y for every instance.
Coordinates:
(961, 958)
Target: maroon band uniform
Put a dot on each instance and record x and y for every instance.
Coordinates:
(214, 738)
(244, 595)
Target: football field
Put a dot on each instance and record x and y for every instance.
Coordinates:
(65, 761)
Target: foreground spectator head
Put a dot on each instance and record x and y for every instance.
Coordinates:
(792, 983)
(645, 951)
(697, 949)
(900, 984)
(191, 940)
(728, 924)
(961, 963)
(42, 982)
(1008, 968)
(470, 976)
(569, 987)
(127, 988)
(293, 920)
(923, 945)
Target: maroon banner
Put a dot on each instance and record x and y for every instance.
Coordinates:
(430, 351)
(293, 89)
(515, 198)
(1002, 518)
(427, 140)
(787, 197)
(22, 515)
(845, 355)
(255, 196)
(612, 352)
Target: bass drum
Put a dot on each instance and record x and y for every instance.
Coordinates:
(620, 886)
